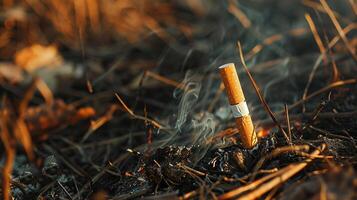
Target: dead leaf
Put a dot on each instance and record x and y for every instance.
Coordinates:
(38, 56)
(45, 117)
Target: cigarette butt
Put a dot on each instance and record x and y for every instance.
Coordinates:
(238, 105)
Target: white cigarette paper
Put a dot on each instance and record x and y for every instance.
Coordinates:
(240, 110)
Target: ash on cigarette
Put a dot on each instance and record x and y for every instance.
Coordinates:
(105, 99)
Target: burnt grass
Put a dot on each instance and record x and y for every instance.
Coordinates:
(130, 157)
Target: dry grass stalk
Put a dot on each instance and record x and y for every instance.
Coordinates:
(239, 14)
(131, 113)
(10, 154)
(271, 39)
(353, 6)
(287, 118)
(267, 183)
(164, 80)
(322, 90)
(276, 152)
(96, 124)
(315, 33)
(316, 6)
(261, 98)
(339, 29)
(293, 169)
(299, 117)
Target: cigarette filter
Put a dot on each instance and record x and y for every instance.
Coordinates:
(238, 105)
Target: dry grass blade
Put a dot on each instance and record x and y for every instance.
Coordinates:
(239, 14)
(27, 97)
(23, 135)
(288, 123)
(322, 90)
(353, 6)
(20, 129)
(233, 193)
(301, 116)
(145, 119)
(126, 108)
(276, 152)
(311, 76)
(293, 169)
(165, 80)
(275, 179)
(273, 38)
(315, 33)
(10, 155)
(346, 30)
(71, 165)
(339, 29)
(100, 122)
(45, 91)
(261, 98)
(316, 6)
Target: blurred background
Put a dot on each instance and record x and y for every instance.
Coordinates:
(160, 58)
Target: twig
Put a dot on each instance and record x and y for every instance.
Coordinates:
(276, 179)
(239, 14)
(276, 152)
(64, 189)
(10, 157)
(316, 6)
(311, 76)
(252, 185)
(191, 169)
(45, 91)
(45, 188)
(164, 80)
(100, 122)
(79, 171)
(273, 38)
(315, 33)
(322, 90)
(328, 133)
(339, 29)
(325, 115)
(346, 30)
(353, 5)
(100, 174)
(132, 195)
(288, 123)
(130, 112)
(293, 169)
(335, 72)
(261, 98)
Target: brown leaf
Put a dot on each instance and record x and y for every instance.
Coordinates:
(45, 117)
(38, 56)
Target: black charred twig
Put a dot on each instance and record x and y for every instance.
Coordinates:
(74, 167)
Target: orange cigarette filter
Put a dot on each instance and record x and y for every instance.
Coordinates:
(238, 105)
